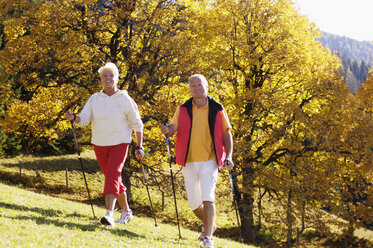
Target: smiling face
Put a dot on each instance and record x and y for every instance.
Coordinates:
(197, 88)
(108, 79)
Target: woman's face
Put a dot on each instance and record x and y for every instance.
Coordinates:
(108, 79)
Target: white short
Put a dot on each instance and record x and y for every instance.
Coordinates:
(200, 181)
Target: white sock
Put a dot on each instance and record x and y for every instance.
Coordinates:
(129, 211)
(110, 213)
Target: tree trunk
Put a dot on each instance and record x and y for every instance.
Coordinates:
(260, 207)
(289, 220)
(349, 236)
(246, 206)
(303, 222)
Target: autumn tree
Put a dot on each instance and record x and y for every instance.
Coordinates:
(53, 50)
(355, 181)
(275, 78)
(278, 84)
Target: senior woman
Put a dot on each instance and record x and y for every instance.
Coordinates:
(113, 115)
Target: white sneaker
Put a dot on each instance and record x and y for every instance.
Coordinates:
(107, 220)
(125, 217)
(202, 236)
(208, 242)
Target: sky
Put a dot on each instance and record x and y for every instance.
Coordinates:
(351, 18)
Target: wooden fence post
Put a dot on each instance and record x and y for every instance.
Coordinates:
(67, 178)
(162, 201)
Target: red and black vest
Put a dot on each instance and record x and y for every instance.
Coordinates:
(184, 128)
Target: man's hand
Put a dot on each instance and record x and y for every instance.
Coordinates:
(167, 129)
(228, 164)
(164, 128)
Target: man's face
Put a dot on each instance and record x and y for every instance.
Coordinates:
(197, 89)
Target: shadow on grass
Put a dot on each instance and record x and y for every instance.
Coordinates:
(47, 212)
(40, 186)
(57, 223)
(327, 240)
(57, 213)
(12, 178)
(57, 164)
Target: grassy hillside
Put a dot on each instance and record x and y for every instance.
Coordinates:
(29, 219)
(20, 171)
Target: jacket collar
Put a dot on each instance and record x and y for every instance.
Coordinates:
(211, 102)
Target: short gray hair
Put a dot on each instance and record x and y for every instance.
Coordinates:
(201, 78)
(111, 66)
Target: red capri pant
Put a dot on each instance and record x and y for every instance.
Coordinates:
(111, 161)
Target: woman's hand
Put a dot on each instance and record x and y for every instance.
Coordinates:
(70, 116)
(139, 152)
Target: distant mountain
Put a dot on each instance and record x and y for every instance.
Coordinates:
(352, 49)
(356, 57)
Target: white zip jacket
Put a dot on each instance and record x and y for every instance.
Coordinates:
(112, 118)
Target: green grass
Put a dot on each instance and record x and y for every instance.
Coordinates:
(74, 223)
(29, 219)
(53, 182)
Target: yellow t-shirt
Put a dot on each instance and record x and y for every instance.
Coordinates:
(201, 147)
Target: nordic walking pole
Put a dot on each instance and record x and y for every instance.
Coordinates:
(172, 182)
(235, 204)
(147, 189)
(81, 163)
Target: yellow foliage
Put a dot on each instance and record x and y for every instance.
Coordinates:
(41, 116)
(293, 119)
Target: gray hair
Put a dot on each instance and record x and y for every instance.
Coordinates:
(110, 66)
(201, 78)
